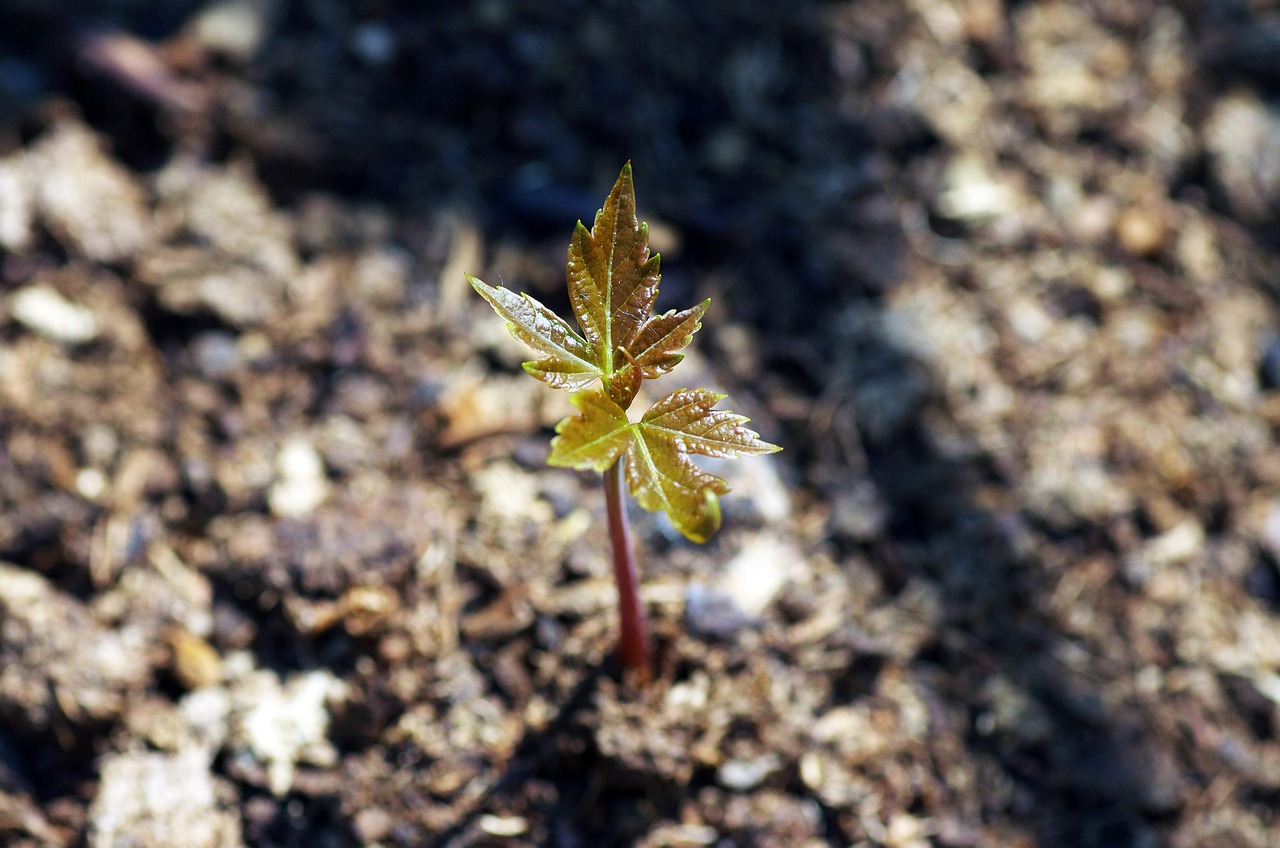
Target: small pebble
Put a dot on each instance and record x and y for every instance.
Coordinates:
(1139, 232)
(48, 313)
(711, 613)
(372, 824)
(194, 661)
(1271, 530)
(753, 578)
(144, 799)
(300, 484)
(16, 207)
(215, 354)
(741, 775)
(505, 826)
(91, 483)
(858, 512)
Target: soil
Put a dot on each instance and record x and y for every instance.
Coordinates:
(281, 563)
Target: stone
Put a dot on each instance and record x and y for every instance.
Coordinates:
(44, 311)
(157, 800)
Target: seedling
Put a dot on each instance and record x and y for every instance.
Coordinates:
(613, 283)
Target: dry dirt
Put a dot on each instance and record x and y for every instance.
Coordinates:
(280, 560)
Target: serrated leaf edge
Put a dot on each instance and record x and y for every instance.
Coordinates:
(530, 337)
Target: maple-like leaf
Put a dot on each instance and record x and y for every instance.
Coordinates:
(613, 280)
(660, 472)
(567, 361)
(613, 283)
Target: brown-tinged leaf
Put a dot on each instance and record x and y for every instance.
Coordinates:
(686, 418)
(613, 283)
(660, 472)
(654, 349)
(613, 280)
(567, 362)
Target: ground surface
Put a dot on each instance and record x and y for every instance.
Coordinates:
(280, 561)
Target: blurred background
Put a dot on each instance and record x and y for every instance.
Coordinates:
(1001, 277)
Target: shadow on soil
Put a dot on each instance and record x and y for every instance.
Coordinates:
(781, 195)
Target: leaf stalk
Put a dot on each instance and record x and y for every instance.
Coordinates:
(634, 649)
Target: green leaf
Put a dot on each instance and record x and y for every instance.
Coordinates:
(662, 475)
(654, 349)
(594, 439)
(613, 283)
(685, 418)
(660, 472)
(568, 362)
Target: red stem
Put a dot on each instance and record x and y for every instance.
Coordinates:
(633, 643)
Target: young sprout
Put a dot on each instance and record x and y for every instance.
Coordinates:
(613, 283)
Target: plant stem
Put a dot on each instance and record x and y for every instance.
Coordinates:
(633, 643)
